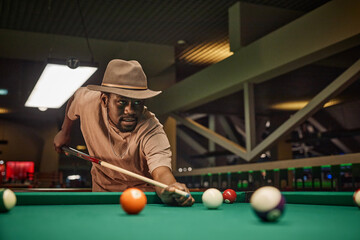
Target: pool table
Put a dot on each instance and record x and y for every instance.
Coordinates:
(87, 215)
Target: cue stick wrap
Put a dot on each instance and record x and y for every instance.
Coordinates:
(121, 170)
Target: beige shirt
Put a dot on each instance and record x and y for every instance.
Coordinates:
(139, 151)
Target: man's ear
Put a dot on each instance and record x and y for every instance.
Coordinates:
(104, 100)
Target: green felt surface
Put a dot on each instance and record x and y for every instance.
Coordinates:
(321, 198)
(79, 215)
(53, 198)
(158, 221)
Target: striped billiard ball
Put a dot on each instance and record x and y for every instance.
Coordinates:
(268, 203)
(356, 197)
(7, 199)
(229, 196)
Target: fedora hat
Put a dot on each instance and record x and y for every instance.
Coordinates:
(125, 78)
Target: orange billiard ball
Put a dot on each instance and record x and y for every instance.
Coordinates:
(133, 200)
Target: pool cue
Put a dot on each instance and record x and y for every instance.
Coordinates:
(85, 156)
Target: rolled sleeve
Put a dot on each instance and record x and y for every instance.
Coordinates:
(157, 151)
(74, 108)
(83, 98)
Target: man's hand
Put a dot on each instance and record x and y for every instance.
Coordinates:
(62, 138)
(169, 196)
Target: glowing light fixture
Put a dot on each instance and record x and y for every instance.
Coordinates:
(57, 84)
(297, 105)
(73, 177)
(4, 110)
(3, 91)
(206, 53)
(332, 102)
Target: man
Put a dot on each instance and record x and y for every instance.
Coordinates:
(118, 128)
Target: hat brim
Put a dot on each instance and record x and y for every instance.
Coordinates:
(130, 93)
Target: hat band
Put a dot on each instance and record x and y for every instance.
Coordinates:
(123, 86)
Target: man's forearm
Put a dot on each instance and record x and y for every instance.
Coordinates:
(163, 175)
(68, 123)
(64, 135)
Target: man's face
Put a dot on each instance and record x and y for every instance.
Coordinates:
(124, 112)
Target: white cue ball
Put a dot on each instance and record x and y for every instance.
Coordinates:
(8, 199)
(212, 198)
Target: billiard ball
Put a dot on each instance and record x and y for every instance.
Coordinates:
(229, 196)
(212, 198)
(7, 199)
(268, 203)
(356, 197)
(133, 200)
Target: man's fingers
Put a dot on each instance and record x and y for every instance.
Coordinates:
(170, 189)
(180, 200)
(187, 202)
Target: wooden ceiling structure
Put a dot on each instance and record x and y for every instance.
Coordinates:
(223, 57)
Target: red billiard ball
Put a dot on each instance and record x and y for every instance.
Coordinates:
(356, 197)
(133, 200)
(229, 196)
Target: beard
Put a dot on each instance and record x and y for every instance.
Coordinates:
(127, 123)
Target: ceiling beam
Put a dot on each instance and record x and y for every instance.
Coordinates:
(154, 58)
(353, 158)
(227, 129)
(335, 141)
(249, 22)
(328, 30)
(213, 136)
(333, 89)
(250, 121)
(191, 142)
